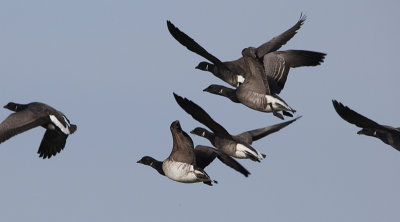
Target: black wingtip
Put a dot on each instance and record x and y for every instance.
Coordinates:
(303, 17)
(170, 25)
(178, 98)
(184, 103)
(342, 110)
(337, 105)
(173, 30)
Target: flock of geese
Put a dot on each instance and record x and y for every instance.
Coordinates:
(257, 77)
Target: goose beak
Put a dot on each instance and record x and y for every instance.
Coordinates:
(359, 132)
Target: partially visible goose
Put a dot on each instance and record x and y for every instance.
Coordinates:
(223, 140)
(276, 63)
(387, 134)
(254, 92)
(248, 136)
(181, 164)
(204, 156)
(28, 116)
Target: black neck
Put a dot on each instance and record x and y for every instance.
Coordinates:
(158, 166)
(21, 107)
(223, 91)
(208, 135)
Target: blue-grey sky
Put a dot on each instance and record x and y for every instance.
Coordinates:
(111, 67)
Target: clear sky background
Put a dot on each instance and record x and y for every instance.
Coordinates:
(111, 67)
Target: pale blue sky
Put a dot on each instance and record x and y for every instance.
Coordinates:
(111, 67)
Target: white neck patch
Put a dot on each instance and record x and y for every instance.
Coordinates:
(240, 79)
(56, 122)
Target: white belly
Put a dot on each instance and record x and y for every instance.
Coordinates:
(178, 171)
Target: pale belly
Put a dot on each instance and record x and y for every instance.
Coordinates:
(178, 171)
(263, 103)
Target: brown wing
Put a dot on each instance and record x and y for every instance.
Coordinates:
(255, 75)
(355, 118)
(190, 44)
(182, 148)
(202, 116)
(253, 135)
(20, 122)
(280, 40)
(252, 92)
(278, 64)
(205, 155)
(236, 67)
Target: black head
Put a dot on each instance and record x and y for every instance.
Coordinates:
(205, 66)
(150, 161)
(14, 106)
(199, 131)
(147, 160)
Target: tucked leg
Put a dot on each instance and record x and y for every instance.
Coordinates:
(287, 113)
(275, 112)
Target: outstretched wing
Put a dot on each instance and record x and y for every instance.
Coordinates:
(280, 40)
(202, 116)
(205, 155)
(190, 44)
(52, 143)
(277, 65)
(253, 135)
(20, 122)
(355, 118)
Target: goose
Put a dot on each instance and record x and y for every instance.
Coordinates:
(223, 140)
(254, 93)
(276, 63)
(31, 115)
(248, 136)
(387, 134)
(181, 164)
(204, 156)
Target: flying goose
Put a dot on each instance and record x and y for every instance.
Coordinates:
(181, 164)
(28, 116)
(387, 134)
(276, 63)
(223, 140)
(204, 156)
(254, 93)
(248, 136)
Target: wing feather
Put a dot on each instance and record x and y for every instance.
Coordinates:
(20, 122)
(280, 40)
(202, 116)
